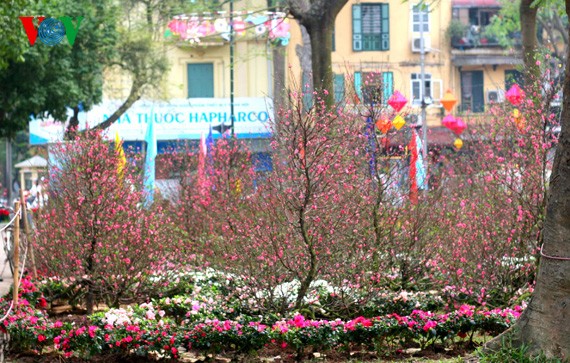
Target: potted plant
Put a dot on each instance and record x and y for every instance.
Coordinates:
(4, 215)
(456, 32)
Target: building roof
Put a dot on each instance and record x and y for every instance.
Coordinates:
(476, 3)
(33, 162)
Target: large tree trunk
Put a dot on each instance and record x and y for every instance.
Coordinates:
(321, 49)
(278, 61)
(529, 40)
(318, 17)
(278, 56)
(544, 326)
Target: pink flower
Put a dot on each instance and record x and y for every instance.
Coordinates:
(41, 338)
(429, 325)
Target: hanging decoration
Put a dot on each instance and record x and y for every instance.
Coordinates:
(195, 28)
(519, 120)
(398, 122)
(448, 101)
(515, 95)
(383, 125)
(448, 121)
(458, 143)
(455, 124)
(397, 101)
(458, 126)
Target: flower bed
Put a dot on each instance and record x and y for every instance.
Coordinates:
(175, 326)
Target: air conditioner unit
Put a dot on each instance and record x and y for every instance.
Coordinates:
(417, 44)
(495, 96)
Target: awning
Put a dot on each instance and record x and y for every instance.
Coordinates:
(476, 3)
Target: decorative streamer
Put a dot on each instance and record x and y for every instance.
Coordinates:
(413, 148)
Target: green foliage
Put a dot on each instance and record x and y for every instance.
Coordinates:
(511, 354)
(47, 80)
(12, 43)
(506, 23)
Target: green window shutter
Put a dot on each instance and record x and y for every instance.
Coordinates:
(338, 87)
(200, 80)
(387, 85)
(307, 91)
(356, 28)
(385, 41)
(358, 84)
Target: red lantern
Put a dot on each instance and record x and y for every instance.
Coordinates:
(448, 121)
(397, 101)
(515, 95)
(458, 127)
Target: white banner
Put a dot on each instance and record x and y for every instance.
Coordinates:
(173, 120)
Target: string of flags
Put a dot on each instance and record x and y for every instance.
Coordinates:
(194, 28)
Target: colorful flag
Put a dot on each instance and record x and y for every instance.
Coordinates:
(150, 139)
(122, 160)
(421, 176)
(413, 148)
(371, 136)
(201, 181)
(209, 141)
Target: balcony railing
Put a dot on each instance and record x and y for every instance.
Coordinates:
(474, 37)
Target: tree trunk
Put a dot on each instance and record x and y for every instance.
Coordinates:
(318, 16)
(278, 60)
(134, 96)
(321, 49)
(278, 56)
(544, 324)
(529, 40)
(73, 124)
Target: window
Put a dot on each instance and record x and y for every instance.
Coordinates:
(200, 80)
(307, 88)
(338, 87)
(472, 95)
(433, 89)
(378, 87)
(370, 27)
(416, 87)
(420, 14)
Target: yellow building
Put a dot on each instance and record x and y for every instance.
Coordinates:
(374, 42)
(384, 38)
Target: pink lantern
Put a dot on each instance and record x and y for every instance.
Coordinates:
(397, 101)
(458, 127)
(448, 121)
(515, 95)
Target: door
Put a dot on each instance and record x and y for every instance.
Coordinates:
(472, 95)
(200, 80)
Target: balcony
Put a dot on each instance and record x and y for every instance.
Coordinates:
(469, 36)
(472, 42)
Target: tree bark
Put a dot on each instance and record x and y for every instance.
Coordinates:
(73, 124)
(544, 324)
(134, 96)
(318, 16)
(278, 61)
(529, 40)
